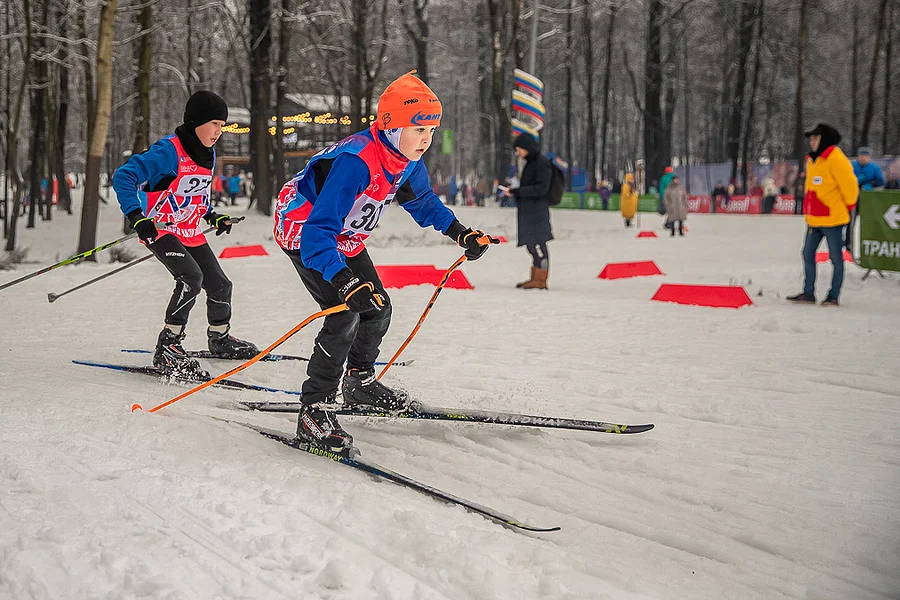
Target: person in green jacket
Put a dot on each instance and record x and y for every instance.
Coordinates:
(663, 183)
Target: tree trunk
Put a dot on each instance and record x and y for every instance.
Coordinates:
(607, 73)
(358, 40)
(62, 113)
(889, 29)
(757, 19)
(653, 117)
(418, 35)
(12, 146)
(189, 40)
(485, 122)
(803, 38)
(7, 125)
(591, 162)
(89, 107)
(284, 41)
(38, 122)
(569, 59)
(496, 16)
(737, 98)
(854, 77)
(873, 72)
(260, 104)
(87, 238)
(144, 55)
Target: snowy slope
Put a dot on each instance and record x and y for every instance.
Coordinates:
(773, 472)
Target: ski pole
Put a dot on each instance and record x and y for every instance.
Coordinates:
(71, 260)
(483, 240)
(75, 259)
(51, 297)
(258, 357)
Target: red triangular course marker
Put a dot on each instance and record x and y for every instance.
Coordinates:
(646, 234)
(398, 276)
(242, 251)
(716, 296)
(629, 269)
(823, 257)
(502, 239)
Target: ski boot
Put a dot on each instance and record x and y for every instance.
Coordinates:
(227, 346)
(172, 360)
(362, 391)
(319, 427)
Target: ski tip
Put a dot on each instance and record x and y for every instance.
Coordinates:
(532, 528)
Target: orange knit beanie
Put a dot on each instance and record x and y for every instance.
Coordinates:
(408, 102)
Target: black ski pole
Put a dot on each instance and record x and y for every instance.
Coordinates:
(69, 261)
(72, 260)
(51, 297)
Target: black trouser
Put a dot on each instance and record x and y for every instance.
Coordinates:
(194, 268)
(345, 336)
(540, 257)
(671, 226)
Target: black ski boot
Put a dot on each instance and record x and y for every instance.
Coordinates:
(227, 346)
(361, 390)
(172, 360)
(320, 428)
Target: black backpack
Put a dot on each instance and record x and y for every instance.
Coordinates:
(557, 181)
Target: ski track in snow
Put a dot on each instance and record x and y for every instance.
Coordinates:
(773, 470)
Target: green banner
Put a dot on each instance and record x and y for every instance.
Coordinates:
(646, 203)
(446, 141)
(879, 230)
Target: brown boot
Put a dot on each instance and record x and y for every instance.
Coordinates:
(530, 279)
(539, 282)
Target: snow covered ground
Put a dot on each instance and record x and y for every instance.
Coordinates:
(773, 471)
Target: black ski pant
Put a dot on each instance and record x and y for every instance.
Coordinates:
(540, 256)
(194, 268)
(346, 336)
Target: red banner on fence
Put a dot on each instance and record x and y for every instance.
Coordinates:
(742, 205)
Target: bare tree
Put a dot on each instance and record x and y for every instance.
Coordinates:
(260, 103)
(876, 55)
(802, 40)
(11, 141)
(87, 237)
(416, 26)
(503, 20)
(143, 54)
(607, 75)
(38, 105)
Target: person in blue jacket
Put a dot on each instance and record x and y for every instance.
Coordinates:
(165, 193)
(869, 176)
(234, 187)
(322, 219)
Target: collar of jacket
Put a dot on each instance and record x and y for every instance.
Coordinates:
(390, 158)
(823, 154)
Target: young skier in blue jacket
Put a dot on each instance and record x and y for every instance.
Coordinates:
(164, 192)
(322, 219)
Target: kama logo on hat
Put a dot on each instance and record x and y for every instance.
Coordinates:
(419, 118)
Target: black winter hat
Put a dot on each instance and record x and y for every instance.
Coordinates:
(527, 143)
(204, 106)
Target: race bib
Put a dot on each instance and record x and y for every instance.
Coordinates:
(193, 185)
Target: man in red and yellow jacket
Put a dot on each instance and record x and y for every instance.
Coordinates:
(831, 192)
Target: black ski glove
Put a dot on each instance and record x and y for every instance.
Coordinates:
(357, 293)
(222, 223)
(473, 240)
(144, 227)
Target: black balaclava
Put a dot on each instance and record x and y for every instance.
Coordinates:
(830, 137)
(202, 107)
(529, 144)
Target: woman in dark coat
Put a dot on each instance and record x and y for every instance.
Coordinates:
(533, 209)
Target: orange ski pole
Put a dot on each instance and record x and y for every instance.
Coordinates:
(258, 357)
(483, 240)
